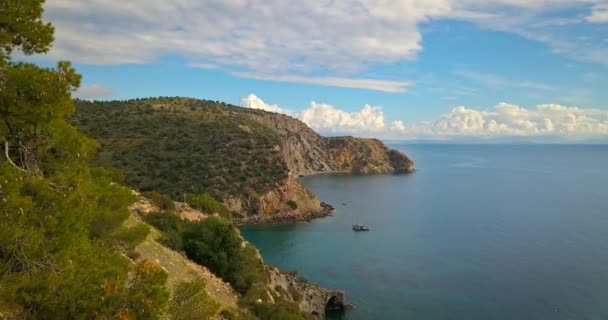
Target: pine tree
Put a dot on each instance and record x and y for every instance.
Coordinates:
(62, 242)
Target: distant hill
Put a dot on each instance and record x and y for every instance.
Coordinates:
(248, 159)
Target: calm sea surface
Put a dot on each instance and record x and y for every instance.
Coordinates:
(480, 232)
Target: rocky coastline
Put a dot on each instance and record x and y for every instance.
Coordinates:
(326, 210)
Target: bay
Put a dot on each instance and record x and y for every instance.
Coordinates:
(479, 232)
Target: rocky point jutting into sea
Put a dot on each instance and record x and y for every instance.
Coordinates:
(248, 159)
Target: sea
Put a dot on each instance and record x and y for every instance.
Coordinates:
(478, 232)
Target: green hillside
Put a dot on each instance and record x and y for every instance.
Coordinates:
(184, 146)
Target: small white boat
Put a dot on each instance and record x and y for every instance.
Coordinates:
(361, 227)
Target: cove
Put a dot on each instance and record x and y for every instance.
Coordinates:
(480, 232)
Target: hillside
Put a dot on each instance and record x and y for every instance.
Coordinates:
(247, 159)
(280, 291)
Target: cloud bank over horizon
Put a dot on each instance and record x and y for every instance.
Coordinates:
(545, 121)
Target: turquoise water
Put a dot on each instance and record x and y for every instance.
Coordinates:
(480, 232)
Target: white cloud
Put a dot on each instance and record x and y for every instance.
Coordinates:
(370, 84)
(599, 14)
(93, 91)
(507, 120)
(294, 41)
(504, 120)
(327, 118)
(253, 102)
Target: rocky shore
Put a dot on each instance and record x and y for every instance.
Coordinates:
(288, 217)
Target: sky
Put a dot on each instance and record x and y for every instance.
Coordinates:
(448, 70)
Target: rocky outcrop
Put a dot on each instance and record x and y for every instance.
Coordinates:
(306, 152)
(289, 202)
(311, 299)
(366, 156)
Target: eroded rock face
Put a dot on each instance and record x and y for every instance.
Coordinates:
(311, 298)
(289, 202)
(366, 156)
(306, 152)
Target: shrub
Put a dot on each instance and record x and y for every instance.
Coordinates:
(192, 302)
(129, 238)
(216, 244)
(162, 201)
(280, 310)
(208, 204)
(147, 294)
(292, 204)
(171, 227)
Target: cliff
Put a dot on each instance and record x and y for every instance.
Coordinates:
(306, 152)
(247, 159)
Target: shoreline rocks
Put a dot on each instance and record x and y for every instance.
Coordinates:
(289, 217)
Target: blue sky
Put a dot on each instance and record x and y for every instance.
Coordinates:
(432, 69)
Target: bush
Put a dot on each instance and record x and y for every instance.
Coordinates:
(162, 201)
(280, 310)
(206, 203)
(147, 294)
(171, 227)
(129, 238)
(192, 302)
(216, 244)
(292, 204)
(228, 314)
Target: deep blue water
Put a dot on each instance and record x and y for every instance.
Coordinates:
(480, 232)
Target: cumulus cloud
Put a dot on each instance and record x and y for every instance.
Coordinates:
(93, 91)
(252, 101)
(273, 38)
(508, 120)
(502, 121)
(327, 118)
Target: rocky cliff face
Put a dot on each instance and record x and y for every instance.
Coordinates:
(311, 299)
(366, 156)
(289, 202)
(306, 152)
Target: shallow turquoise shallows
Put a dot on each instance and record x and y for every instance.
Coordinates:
(480, 232)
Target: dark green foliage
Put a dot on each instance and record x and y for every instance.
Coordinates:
(61, 240)
(292, 204)
(21, 27)
(162, 201)
(147, 295)
(216, 244)
(129, 238)
(229, 315)
(206, 203)
(280, 310)
(192, 302)
(171, 227)
(183, 147)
